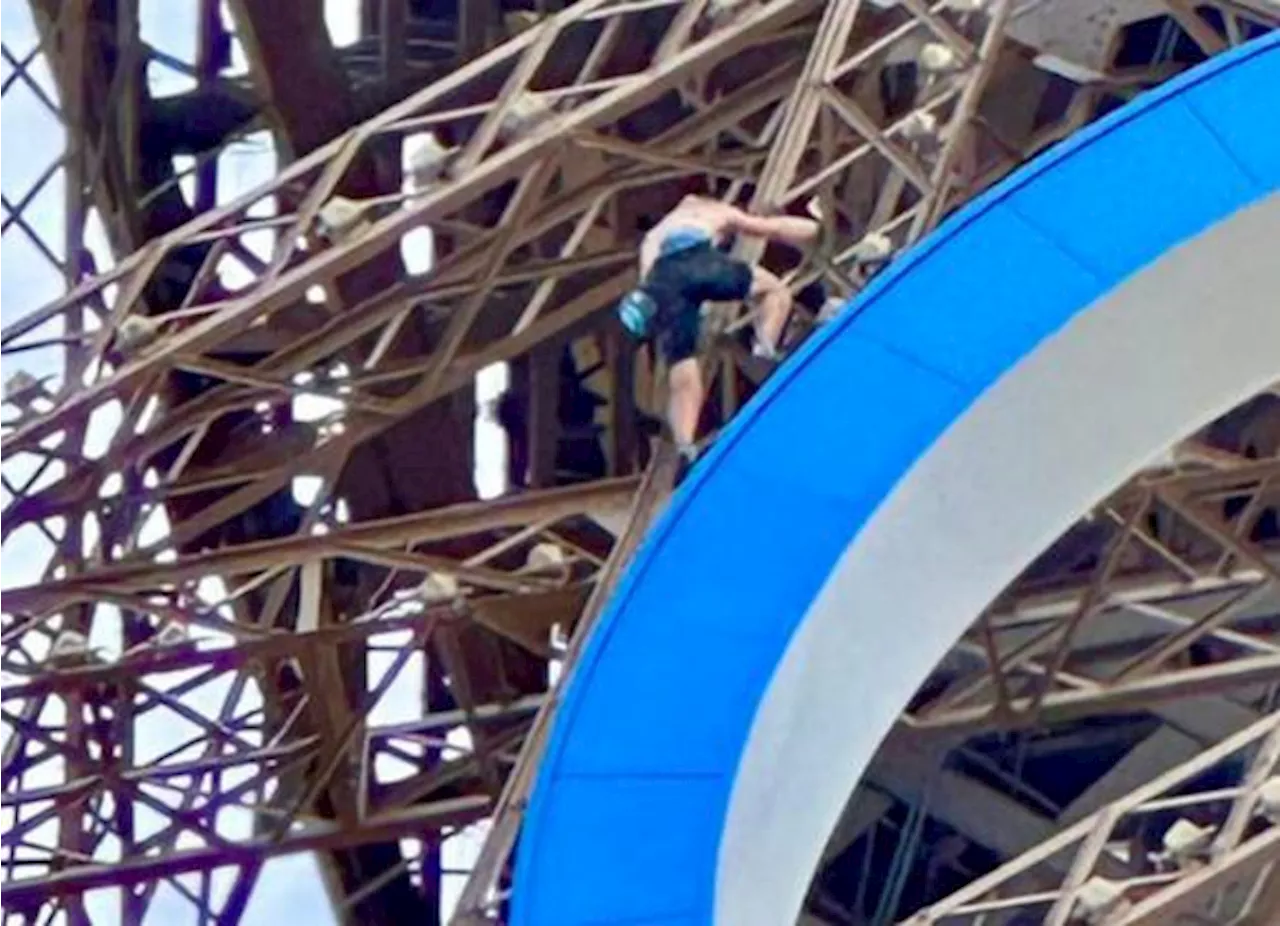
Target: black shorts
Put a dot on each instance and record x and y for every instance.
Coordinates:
(680, 282)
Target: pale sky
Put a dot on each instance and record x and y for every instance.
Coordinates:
(32, 140)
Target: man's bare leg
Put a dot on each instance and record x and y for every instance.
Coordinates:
(773, 306)
(684, 401)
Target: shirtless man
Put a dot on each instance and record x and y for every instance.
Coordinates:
(680, 268)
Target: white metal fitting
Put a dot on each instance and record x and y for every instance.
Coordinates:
(21, 389)
(546, 556)
(937, 57)
(518, 21)
(172, 634)
(339, 217)
(1184, 840)
(559, 637)
(873, 246)
(1097, 899)
(523, 115)
(439, 587)
(920, 124)
(69, 645)
(718, 8)
(967, 6)
(332, 426)
(830, 309)
(426, 160)
(135, 332)
(1269, 800)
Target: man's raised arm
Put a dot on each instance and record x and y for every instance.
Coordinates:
(791, 229)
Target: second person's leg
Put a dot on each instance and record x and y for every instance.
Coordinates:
(773, 307)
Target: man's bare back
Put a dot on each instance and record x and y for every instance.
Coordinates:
(716, 220)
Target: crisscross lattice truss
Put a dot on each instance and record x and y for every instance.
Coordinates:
(1223, 872)
(193, 683)
(1190, 555)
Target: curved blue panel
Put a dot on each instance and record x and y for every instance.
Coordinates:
(630, 803)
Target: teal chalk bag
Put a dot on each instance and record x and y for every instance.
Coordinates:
(636, 312)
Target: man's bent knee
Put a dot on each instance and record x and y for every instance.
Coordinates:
(764, 282)
(685, 374)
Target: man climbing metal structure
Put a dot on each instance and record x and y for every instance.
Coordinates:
(682, 266)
